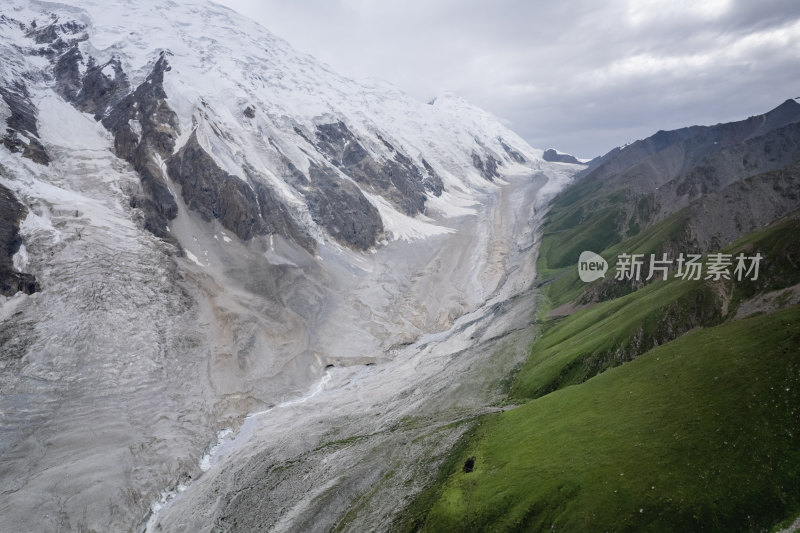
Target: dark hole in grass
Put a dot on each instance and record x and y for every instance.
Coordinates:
(469, 465)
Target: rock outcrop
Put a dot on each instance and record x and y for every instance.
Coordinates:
(11, 214)
(339, 206)
(488, 168)
(557, 157)
(246, 208)
(142, 123)
(515, 155)
(21, 132)
(399, 180)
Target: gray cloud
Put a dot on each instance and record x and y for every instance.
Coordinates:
(581, 76)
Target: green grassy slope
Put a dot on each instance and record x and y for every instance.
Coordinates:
(592, 340)
(698, 434)
(566, 286)
(609, 333)
(703, 425)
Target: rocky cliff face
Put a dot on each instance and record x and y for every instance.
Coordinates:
(11, 214)
(719, 218)
(21, 133)
(142, 123)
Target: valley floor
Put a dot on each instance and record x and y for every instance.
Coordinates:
(351, 455)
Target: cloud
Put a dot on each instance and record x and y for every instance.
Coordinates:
(581, 76)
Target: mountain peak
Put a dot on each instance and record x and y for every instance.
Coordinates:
(555, 156)
(311, 121)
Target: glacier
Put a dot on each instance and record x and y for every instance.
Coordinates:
(228, 234)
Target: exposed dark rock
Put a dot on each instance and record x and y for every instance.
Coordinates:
(32, 149)
(727, 165)
(772, 151)
(250, 112)
(58, 37)
(21, 132)
(330, 212)
(293, 175)
(276, 216)
(513, 154)
(110, 100)
(100, 92)
(23, 112)
(11, 214)
(469, 465)
(716, 219)
(398, 180)
(158, 125)
(55, 32)
(302, 134)
(68, 75)
(246, 208)
(385, 142)
(433, 182)
(213, 193)
(147, 104)
(491, 166)
(557, 157)
(339, 206)
(430, 181)
(488, 169)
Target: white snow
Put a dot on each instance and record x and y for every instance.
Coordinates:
(63, 125)
(193, 258)
(136, 126)
(9, 304)
(20, 258)
(222, 435)
(403, 227)
(222, 62)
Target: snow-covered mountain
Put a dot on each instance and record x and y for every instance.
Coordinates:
(276, 127)
(197, 220)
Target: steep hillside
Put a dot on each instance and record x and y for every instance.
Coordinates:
(630, 189)
(697, 433)
(735, 188)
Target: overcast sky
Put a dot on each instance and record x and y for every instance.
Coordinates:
(582, 76)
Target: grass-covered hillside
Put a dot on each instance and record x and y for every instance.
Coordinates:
(700, 434)
(698, 431)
